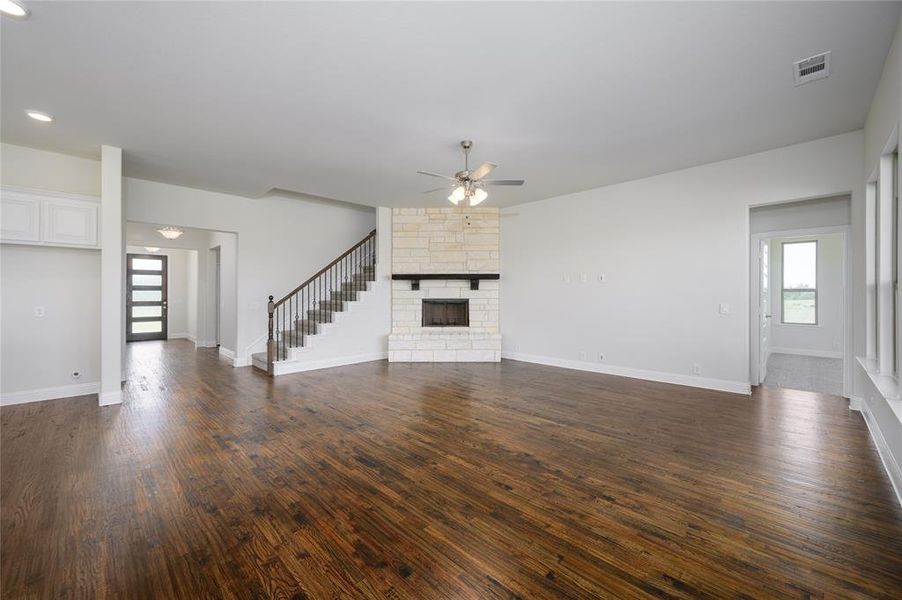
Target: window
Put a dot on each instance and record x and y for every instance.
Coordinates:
(800, 283)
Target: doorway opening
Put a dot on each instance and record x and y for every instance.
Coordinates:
(799, 305)
(195, 297)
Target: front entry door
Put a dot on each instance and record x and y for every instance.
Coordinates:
(764, 307)
(145, 301)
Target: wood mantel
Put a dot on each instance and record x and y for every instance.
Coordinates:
(473, 278)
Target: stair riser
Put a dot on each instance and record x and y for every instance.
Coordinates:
(331, 305)
(306, 326)
(320, 316)
(344, 296)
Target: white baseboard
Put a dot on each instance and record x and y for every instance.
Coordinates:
(178, 336)
(722, 385)
(229, 354)
(51, 393)
(806, 352)
(204, 344)
(109, 398)
(883, 450)
(855, 403)
(299, 366)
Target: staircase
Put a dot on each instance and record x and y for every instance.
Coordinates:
(304, 312)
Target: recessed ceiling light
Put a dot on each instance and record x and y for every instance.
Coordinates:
(14, 9)
(38, 115)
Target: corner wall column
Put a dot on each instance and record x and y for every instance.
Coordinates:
(112, 315)
(383, 243)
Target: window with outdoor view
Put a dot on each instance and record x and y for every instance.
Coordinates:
(800, 283)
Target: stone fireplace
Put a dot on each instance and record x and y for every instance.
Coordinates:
(451, 313)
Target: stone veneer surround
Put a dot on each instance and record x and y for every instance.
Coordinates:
(445, 240)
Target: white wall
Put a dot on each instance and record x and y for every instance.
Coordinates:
(821, 212)
(227, 245)
(192, 289)
(41, 170)
(671, 248)
(42, 353)
(66, 282)
(281, 240)
(826, 337)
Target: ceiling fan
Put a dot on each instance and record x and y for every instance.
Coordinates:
(469, 185)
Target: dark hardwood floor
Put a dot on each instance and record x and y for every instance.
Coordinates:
(439, 481)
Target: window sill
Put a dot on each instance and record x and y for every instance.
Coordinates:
(885, 384)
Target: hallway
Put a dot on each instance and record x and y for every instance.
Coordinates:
(807, 373)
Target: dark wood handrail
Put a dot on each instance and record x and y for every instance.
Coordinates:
(323, 270)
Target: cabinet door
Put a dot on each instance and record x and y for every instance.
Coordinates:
(70, 222)
(19, 217)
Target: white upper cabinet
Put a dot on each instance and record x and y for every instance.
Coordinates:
(19, 217)
(49, 219)
(70, 222)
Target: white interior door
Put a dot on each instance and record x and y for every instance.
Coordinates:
(764, 307)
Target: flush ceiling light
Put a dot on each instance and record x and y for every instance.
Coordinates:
(151, 249)
(38, 115)
(14, 9)
(171, 233)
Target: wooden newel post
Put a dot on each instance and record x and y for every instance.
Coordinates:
(270, 342)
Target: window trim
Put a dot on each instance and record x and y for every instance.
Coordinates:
(783, 289)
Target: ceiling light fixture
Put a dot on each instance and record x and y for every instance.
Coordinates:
(478, 196)
(469, 184)
(469, 192)
(457, 194)
(151, 249)
(14, 9)
(170, 233)
(38, 115)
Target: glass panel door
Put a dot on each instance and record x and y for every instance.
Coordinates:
(145, 302)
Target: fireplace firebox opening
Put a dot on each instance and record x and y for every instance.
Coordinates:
(452, 312)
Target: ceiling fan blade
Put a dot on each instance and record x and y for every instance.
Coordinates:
(434, 190)
(436, 175)
(504, 182)
(482, 170)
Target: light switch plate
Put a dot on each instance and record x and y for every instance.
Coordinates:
(723, 308)
(39, 311)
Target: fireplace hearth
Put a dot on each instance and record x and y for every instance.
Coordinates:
(452, 312)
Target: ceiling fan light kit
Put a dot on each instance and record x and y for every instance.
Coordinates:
(469, 186)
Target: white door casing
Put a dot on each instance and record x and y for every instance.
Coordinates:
(764, 302)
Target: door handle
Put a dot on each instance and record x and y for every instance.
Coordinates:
(767, 316)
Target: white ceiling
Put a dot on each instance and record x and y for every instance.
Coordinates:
(347, 101)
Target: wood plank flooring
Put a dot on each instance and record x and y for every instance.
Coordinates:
(439, 481)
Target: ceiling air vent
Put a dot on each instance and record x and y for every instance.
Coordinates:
(812, 68)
